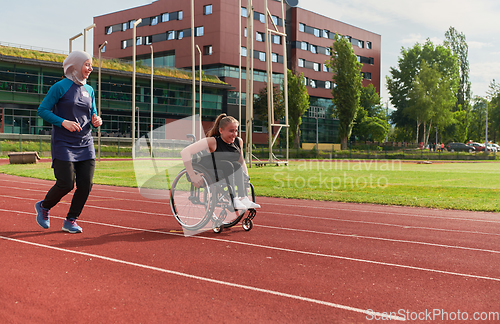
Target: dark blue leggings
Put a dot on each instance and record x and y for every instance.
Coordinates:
(230, 171)
(66, 173)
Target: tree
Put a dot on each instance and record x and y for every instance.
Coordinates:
(401, 81)
(298, 103)
(347, 86)
(458, 45)
(260, 104)
(371, 120)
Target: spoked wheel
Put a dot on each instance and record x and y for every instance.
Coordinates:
(192, 207)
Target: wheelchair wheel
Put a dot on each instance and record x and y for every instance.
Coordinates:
(192, 207)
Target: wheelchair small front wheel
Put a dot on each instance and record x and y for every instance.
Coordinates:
(247, 224)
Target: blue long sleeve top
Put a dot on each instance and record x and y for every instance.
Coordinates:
(67, 100)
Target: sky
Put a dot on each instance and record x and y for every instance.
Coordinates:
(401, 23)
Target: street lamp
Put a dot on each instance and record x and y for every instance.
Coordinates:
(99, 103)
(201, 126)
(151, 118)
(85, 36)
(71, 41)
(134, 43)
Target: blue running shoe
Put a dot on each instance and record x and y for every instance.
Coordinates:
(70, 226)
(42, 215)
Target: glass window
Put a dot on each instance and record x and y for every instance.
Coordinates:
(326, 33)
(369, 45)
(262, 56)
(243, 51)
(165, 17)
(275, 20)
(207, 50)
(262, 18)
(154, 21)
(302, 27)
(179, 15)
(124, 44)
(103, 49)
(199, 31)
(277, 39)
(361, 44)
(313, 49)
(109, 30)
(325, 68)
(301, 62)
(274, 57)
(313, 83)
(149, 40)
(244, 12)
(124, 26)
(328, 51)
(171, 35)
(138, 41)
(245, 32)
(316, 32)
(207, 10)
(303, 45)
(316, 67)
(328, 85)
(131, 24)
(259, 37)
(180, 34)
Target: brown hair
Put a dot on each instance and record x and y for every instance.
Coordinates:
(221, 122)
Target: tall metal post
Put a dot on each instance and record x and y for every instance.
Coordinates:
(270, 115)
(249, 71)
(486, 135)
(134, 27)
(201, 125)
(85, 36)
(285, 81)
(71, 41)
(99, 103)
(193, 63)
(151, 117)
(239, 68)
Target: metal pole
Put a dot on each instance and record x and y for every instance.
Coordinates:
(269, 87)
(133, 82)
(249, 88)
(239, 68)
(201, 126)
(317, 141)
(71, 41)
(85, 36)
(285, 81)
(99, 103)
(151, 117)
(486, 137)
(193, 63)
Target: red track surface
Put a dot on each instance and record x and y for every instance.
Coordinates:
(303, 262)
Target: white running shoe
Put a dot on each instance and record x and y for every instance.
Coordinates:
(239, 205)
(249, 204)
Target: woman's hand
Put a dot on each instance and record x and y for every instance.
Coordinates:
(197, 179)
(72, 126)
(96, 121)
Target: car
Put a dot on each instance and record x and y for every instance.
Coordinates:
(480, 147)
(495, 147)
(452, 147)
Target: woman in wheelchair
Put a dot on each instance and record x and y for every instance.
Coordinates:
(222, 152)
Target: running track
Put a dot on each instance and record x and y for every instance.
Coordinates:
(303, 262)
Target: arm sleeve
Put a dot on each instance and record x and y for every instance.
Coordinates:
(45, 108)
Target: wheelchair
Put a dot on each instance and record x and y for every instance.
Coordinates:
(194, 207)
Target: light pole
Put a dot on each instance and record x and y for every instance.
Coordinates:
(85, 36)
(99, 103)
(436, 136)
(151, 118)
(486, 135)
(201, 126)
(134, 25)
(71, 41)
(193, 63)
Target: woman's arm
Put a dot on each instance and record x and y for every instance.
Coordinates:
(206, 144)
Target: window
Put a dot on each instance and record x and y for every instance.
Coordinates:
(199, 31)
(124, 26)
(313, 49)
(304, 46)
(179, 15)
(124, 44)
(274, 57)
(171, 35)
(138, 41)
(361, 44)
(165, 17)
(262, 56)
(154, 21)
(131, 24)
(328, 85)
(103, 49)
(326, 33)
(243, 51)
(259, 37)
(369, 45)
(316, 32)
(262, 18)
(245, 32)
(244, 12)
(180, 34)
(275, 20)
(325, 68)
(312, 83)
(207, 10)
(276, 39)
(149, 40)
(328, 51)
(302, 27)
(207, 50)
(301, 62)
(316, 67)
(109, 30)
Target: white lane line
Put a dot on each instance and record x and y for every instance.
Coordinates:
(268, 247)
(218, 282)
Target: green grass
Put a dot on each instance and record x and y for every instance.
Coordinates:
(464, 186)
